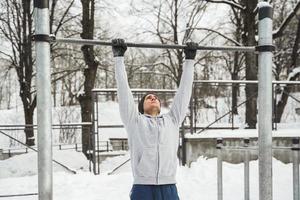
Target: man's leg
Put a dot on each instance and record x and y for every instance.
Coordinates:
(141, 192)
(168, 192)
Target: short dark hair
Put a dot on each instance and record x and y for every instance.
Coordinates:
(141, 103)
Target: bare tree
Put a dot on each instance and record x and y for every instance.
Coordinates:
(16, 19)
(287, 38)
(175, 22)
(85, 98)
(246, 8)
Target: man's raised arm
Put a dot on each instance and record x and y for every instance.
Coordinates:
(182, 98)
(127, 107)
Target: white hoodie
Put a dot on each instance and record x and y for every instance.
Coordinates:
(153, 141)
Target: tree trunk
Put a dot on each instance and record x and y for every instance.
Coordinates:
(235, 87)
(25, 71)
(283, 100)
(287, 89)
(29, 131)
(250, 62)
(179, 70)
(85, 99)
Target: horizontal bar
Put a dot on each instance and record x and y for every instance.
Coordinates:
(18, 195)
(255, 148)
(152, 45)
(136, 90)
(34, 125)
(111, 126)
(185, 127)
(245, 82)
(35, 128)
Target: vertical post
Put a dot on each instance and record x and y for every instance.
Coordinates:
(97, 136)
(183, 144)
(192, 111)
(296, 168)
(265, 49)
(273, 105)
(43, 83)
(246, 169)
(195, 100)
(219, 168)
(275, 108)
(93, 131)
(232, 107)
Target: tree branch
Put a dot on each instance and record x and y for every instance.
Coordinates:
(221, 34)
(231, 3)
(279, 32)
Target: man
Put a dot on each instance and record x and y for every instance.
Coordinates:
(153, 137)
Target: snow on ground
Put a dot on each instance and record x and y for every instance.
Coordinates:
(18, 175)
(284, 130)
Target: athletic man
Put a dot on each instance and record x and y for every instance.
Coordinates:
(153, 137)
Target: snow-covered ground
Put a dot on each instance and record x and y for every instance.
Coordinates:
(18, 176)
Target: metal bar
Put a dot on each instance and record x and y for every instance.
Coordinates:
(240, 148)
(195, 100)
(246, 82)
(273, 106)
(219, 168)
(246, 170)
(115, 169)
(298, 101)
(21, 129)
(65, 167)
(225, 114)
(97, 134)
(265, 101)
(44, 113)
(111, 126)
(18, 195)
(55, 125)
(191, 119)
(135, 90)
(92, 135)
(254, 148)
(183, 144)
(296, 169)
(153, 45)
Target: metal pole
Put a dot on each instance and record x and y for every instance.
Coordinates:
(183, 144)
(153, 45)
(43, 83)
(296, 168)
(192, 112)
(246, 169)
(243, 82)
(265, 100)
(219, 168)
(275, 108)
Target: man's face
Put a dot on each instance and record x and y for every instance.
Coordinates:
(151, 103)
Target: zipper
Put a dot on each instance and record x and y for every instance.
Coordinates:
(157, 151)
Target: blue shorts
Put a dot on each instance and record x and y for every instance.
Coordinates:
(154, 192)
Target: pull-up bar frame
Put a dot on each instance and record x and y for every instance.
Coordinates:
(53, 39)
(43, 39)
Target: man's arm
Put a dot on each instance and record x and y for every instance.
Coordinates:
(127, 107)
(182, 98)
